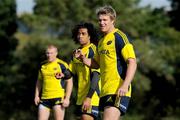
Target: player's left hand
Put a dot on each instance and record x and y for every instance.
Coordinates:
(66, 102)
(122, 90)
(59, 75)
(78, 54)
(86, 104)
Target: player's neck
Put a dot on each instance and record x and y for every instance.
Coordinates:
(110, 30)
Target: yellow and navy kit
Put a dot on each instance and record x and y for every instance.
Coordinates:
(51, 86)
(49, 103)
(83, 74)
(114, 49)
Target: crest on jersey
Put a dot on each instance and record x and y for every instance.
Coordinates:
(109, 42)
(55, 68)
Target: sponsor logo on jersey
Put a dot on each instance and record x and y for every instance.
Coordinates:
(109, 42)
(104, 52)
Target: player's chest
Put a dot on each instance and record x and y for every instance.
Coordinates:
(106, 47)
(51, 69)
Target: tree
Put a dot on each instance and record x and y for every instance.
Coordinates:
(7, 28)
(8, 44)
(174, 14)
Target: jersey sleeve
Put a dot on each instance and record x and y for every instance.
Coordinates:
(93, 84)
(128, 52)
(95, 53)
(66, 65)
(72, 67)
(65, 69)
(96, 56)
(39, 75)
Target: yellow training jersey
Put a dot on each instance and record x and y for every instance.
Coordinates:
(51, 86)
(113, 51)
(83, 74)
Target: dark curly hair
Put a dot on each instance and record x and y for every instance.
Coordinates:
(91, 31)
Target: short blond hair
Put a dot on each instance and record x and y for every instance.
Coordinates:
(51, 46)
(107, 10)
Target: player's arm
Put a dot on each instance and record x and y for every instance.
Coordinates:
(94, 83)
(37, 92)
(90, 62)
(129, 76)
(93, 86)
(129, 56)
(67, 76)
(68, 91)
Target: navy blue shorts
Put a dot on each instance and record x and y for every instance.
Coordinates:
(112, 100)
(49, 103)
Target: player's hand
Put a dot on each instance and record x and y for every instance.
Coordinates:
(78, 54)
(59, 75)
(122, 90)
(66, 102)
(86, 103)
(36, 100)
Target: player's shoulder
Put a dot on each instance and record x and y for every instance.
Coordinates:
(117, 33)
(93, 47)
(59, 61)
(43, 62)
(120, 32)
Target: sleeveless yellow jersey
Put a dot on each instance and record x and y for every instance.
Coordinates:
(113, 51)
(52, 87)
(83, 74)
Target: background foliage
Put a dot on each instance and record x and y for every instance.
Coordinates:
(155, 34)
